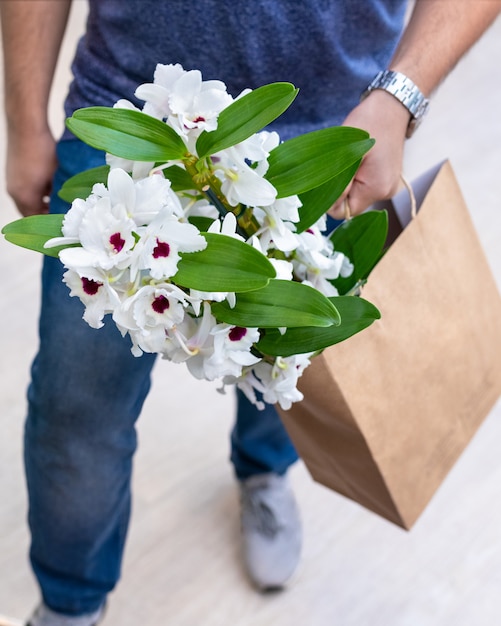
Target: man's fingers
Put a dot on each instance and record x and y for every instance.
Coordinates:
(31, 163)
(34, 203)
(338, 210)
(361, 194)
(357, 198)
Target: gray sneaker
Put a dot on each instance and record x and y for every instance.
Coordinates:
(271, 530)
(43, 616)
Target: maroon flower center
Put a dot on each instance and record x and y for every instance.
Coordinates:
(237, 333)
(199, 119)
(160, 304)
(117, 242)
(162, 249)
(90, 287)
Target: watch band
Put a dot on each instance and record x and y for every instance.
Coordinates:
(405, 91)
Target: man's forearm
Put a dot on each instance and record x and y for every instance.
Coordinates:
(438, 34)
(32, 31)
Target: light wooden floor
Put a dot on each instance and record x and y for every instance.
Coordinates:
(182, 566)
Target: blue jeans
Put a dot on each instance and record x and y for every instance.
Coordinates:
(86, 393)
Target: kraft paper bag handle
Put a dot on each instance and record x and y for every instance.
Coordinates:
(407, 185)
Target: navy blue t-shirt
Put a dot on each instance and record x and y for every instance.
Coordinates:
(330, 49)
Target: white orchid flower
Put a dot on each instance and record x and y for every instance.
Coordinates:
(248, 385)
(316, 262)
(153, 196)
(228, 226)
(196, 104)
(106, 236)
(316, 269)
(241, 183)
(278, 382)
(151, 306)
(157, 94)
(143, 199)
(149, 313)
(232, 350)
(283, 268)
(189, 104)
(277, 224)
(95, 292)
(313, 239)
(192, 342)
(158, 250)
(256, 149)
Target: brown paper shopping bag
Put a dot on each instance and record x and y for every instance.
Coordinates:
(387, 412)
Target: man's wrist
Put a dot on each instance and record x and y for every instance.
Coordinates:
(405, 91)
(22, 123)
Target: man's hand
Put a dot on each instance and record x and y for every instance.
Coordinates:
(386, 120)
(32, 32)
(31, 163)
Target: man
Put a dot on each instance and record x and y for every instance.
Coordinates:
(80, 428)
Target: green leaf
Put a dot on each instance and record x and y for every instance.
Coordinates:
(226, 264)
(201, 222)
(318, 201)
(80, 185)
(356, 315)
(33, 231)
(179, 178)
(310, 160)
(362, 239)
(127, 134)
(281, 303)
(245, 116)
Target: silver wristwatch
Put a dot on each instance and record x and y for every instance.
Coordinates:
(405, 91)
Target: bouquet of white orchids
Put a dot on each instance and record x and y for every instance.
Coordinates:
(204, 237)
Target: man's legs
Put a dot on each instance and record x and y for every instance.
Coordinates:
(271, 528)
(259, 442)
(86, 393)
